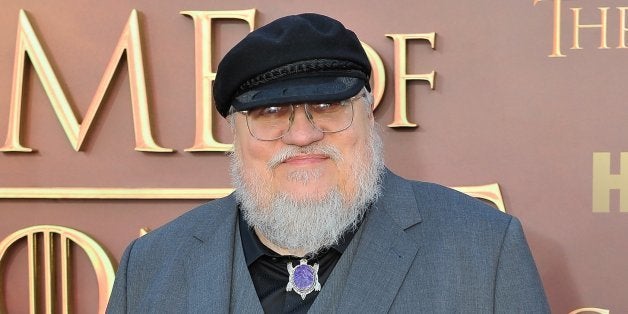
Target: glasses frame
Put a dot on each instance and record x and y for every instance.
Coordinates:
(308, 115)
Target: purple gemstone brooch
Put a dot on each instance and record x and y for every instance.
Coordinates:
(303, 278)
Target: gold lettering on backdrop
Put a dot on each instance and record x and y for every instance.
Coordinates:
(28, 43)
(604, 181)
(401, 75)
(577, 26)
(205, 76)
(99, 259)
(144, 231)
(556, 29)
(622, 27)
(590, 310)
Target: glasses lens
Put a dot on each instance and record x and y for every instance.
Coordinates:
(331, 117)
(269, 123)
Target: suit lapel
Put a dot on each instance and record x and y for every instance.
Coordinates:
(210, 259)
(244, 298)
(328, 299)
(385, 252)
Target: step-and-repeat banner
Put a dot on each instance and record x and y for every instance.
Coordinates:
(107, 128)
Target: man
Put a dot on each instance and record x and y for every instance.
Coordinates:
(317, 223)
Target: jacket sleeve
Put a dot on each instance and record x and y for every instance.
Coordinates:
(118, 298)
(518, 287)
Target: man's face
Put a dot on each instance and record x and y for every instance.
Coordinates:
(303, 191)
(306, 163)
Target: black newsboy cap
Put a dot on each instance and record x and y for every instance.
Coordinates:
(298, 58)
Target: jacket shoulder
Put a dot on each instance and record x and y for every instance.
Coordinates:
(199, 223)
(447, 201)
(435, 200)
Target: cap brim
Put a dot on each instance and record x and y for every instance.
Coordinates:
(299, 90)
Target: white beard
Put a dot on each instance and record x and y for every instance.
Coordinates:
(310, 224)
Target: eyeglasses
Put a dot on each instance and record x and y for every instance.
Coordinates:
(273, 122)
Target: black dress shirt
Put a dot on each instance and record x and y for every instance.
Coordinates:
(270, 276)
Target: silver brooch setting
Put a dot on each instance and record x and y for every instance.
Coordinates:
(303, 278)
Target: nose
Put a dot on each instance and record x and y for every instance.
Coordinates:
(302, 132)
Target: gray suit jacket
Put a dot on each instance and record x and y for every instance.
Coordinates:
(423, 249)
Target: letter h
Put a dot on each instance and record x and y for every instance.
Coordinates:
(604, 181)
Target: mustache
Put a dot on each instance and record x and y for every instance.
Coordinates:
(288, 152)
